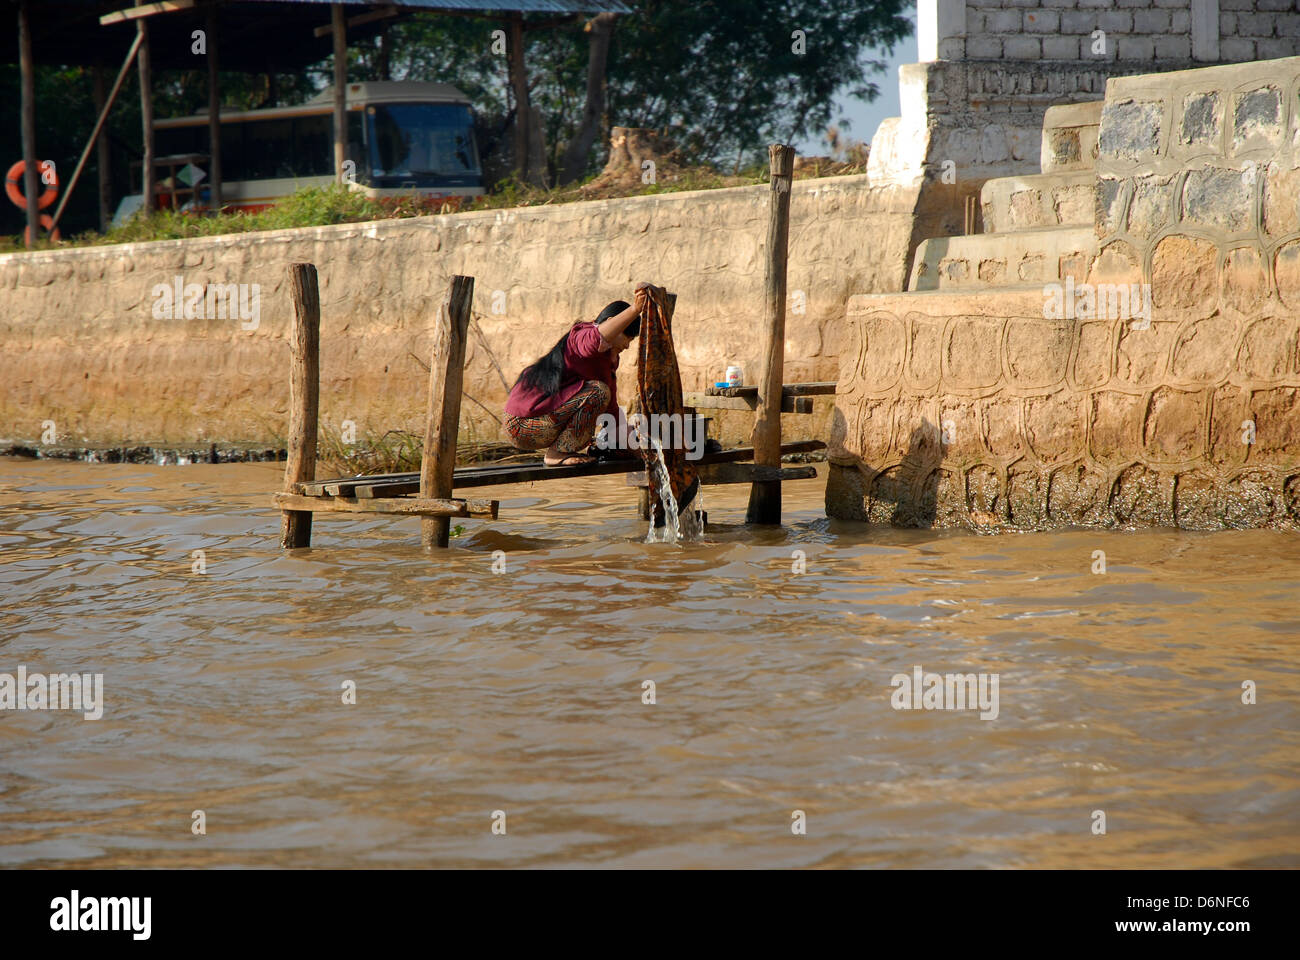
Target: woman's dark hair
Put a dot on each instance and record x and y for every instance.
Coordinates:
(547, 374)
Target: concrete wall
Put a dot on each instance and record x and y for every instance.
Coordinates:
(977, 408)
(82, 347)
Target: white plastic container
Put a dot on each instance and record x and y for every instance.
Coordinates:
(735, 377)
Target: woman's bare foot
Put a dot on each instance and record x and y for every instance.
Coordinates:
(568, 460)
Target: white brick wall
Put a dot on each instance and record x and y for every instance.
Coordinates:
(1178, 31)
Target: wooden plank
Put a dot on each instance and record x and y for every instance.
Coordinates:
(765, 497)
(815, 388)
(406, 506)
(704, 401)
(442, 423)
(304, 398)
(147, 10)
(381, 14)
(400, 484)
(718, 473)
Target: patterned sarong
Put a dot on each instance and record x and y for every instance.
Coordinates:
(659, 391)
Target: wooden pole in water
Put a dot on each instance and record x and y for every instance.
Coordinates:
(765, 497)
(304, 398)
(446, 378)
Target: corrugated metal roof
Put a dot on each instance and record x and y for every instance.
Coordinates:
(527, 6)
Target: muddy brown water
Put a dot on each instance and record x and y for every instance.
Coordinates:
(522, 691)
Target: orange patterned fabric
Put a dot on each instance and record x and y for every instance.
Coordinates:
(659, 390)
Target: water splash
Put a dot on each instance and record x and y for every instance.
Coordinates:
(677, 527)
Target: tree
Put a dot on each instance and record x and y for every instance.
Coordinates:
(728, 77)
(725, 77)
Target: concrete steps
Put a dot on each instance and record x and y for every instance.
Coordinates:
(1070, 137)
(983, 261)
(1039, 228)
(1039, 201)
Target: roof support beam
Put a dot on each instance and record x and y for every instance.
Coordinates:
(146, 10)
(382, 14)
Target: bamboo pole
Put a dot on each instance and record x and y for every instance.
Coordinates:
(148, 173)
(97, 136)
(214, 115)
(446, 378)
(765, 497)
(340, 91)
(27, 67)
(304, 398)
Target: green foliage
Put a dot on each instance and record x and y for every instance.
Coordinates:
(723, 76)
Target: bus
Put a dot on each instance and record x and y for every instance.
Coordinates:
(405, 138)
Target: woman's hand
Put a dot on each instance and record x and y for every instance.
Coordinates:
(642, 294)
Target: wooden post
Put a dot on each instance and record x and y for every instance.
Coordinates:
(103, 156)
(214, 115)
(446, 378)
(27, 67)
(304, 398)
(340, 33)
(148, 174)
(765, 497)
(519, 81)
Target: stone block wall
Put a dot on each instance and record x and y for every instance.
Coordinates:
(973, 108)
(1207, 31)
(978, 409)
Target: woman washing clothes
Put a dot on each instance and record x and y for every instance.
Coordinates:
(556, 402)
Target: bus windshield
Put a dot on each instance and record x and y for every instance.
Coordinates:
(431, 144)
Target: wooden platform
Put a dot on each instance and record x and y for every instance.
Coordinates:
(384, 487)
(795, 397)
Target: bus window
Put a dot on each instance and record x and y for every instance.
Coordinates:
(425, 144)
(313, 145)
(232, 152)
(268, 149)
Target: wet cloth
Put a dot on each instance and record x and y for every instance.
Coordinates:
(584, 360)
(659, 390)
(569, 427)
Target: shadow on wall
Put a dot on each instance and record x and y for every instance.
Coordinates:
(903, 494)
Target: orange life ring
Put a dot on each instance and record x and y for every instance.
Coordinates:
(14, 186)
(46, 223)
